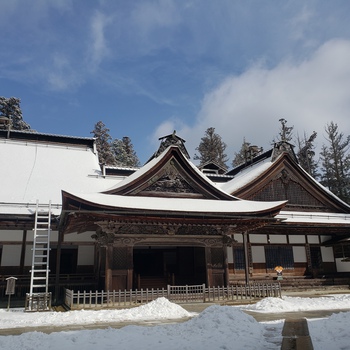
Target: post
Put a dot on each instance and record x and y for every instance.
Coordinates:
(246, 258)
(10, 289)
(58, 266)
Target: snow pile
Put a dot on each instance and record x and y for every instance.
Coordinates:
(286, 304)
(215, 328)
(158, 309)
(331, 333)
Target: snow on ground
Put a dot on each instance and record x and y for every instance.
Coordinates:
(331, 333)
(159, 309)
(217, 327)
(285, 304)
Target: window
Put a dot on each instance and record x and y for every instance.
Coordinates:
(341, 251)
(279, 256)
(238, 258)
(316, 257)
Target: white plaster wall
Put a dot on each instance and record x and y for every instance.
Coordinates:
(327, 254)
(258, 254)
(79, 237)
(278, 239)
(342, 266)
(86, 255)
(325, 238)
(258, 238)
(28, 255)
(53, 236)
(238, 237)
(229, 255)
(11, 236)
(299, 254)
(11, 255)
(313, 239)
(295, 239)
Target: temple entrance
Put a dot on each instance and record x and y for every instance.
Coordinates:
(156, 267)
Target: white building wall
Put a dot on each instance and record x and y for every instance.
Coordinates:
(258, 254)
(258, 239)
(295, 239)
(325, 238)
(342, 266)
(327, 254)
(86, 255)
(238, 237)
(313, 239)
(11, 255)
(299, 254)
(229, 255)
(28, 255)
(278, 239)
(11, 236)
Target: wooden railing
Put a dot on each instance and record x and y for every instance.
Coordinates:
(177, 294)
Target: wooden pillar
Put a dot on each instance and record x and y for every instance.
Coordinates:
(226, 270)
(23, 252)
(209, 269)
(109, 267)
(246, 256)
(308, 259)
(58, 265)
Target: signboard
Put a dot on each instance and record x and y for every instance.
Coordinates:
(10, 287)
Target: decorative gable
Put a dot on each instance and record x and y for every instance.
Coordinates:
(170, 181)
(286, 186)
(286, 180)
(170, 175)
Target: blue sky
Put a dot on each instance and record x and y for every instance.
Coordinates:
(148, 67)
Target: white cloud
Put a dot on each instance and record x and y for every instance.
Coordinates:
(307, 94)
(98, 48)
(150, 16)
(60, 74)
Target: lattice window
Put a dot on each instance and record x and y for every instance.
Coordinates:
(120, 258)
(217, 257)
(316, 257)
(279, 256)
(342, 251)
(238, 258)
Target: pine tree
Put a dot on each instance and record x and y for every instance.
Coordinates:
(10, 108)
(306, 154)
(105, 154)
(246, 154)
(286, 132)
(336, 163)
(124, 153)
(211, 149)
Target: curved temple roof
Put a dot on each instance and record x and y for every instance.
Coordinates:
(186, 206)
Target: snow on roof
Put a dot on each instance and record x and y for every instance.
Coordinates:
(325, 189)
(313, 217)
(246, 176)
(138, 173)
(252, 172)
(178, 204)
(43, 135)
(34, 171)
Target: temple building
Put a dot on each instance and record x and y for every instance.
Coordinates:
(168, 222)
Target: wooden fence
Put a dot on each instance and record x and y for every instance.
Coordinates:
(176, 294)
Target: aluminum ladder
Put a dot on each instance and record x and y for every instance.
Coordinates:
(39, 278)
